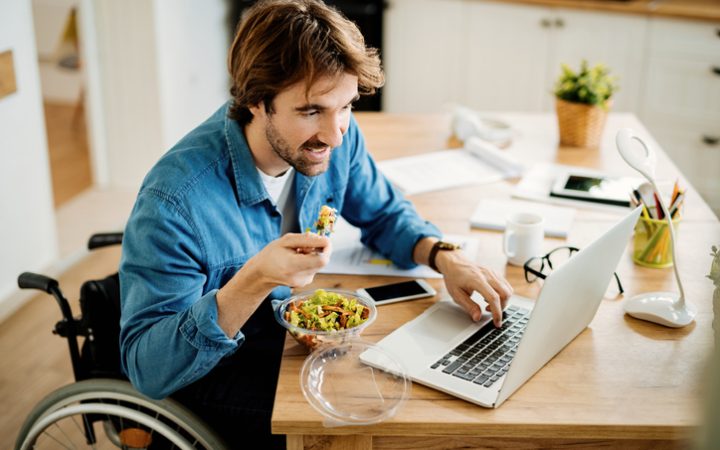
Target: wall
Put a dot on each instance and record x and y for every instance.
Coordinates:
(27, 221)
(192, 43)
(160, 69)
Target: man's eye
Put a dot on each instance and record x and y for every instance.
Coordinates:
(312, 112)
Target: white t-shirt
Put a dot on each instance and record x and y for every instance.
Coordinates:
(282, 192)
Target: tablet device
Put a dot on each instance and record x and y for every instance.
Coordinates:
(595, 188)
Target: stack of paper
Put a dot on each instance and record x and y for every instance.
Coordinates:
(350, 256)
(478, 162)
(492, 214)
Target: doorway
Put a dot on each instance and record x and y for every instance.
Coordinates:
(56, 35)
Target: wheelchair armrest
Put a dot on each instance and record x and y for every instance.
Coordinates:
(99, 240)
(29, 280)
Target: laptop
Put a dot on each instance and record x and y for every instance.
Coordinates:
(444, 349)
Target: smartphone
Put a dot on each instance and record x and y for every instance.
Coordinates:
(398, 292)
(598, 189)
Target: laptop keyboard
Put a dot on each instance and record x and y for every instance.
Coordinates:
(485, 356)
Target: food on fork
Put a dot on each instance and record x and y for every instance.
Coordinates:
(326, 220)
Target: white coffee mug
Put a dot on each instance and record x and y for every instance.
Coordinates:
(523, 237)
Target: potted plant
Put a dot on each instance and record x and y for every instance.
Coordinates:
(583, 99)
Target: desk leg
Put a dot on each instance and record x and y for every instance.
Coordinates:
(349, 442)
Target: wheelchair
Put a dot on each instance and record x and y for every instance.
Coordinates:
(102, 410)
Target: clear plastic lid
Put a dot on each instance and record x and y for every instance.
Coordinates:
(347, 391)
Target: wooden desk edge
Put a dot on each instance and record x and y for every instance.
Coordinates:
(538, 431)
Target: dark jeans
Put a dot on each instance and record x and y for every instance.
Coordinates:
(236, 397)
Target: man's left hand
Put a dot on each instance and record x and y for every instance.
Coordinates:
(463, 277)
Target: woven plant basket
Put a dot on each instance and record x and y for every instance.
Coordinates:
(581, 125)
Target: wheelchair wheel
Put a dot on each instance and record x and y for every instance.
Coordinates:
(110, 414)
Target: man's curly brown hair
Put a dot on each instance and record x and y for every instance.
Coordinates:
(282, 42)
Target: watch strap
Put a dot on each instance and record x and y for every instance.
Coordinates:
(439, 245)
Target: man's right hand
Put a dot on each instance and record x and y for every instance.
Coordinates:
(292, 260)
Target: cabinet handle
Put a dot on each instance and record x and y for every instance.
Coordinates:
(716, 70)
(717, 31)
(559, 23)
(545, 23)
(710, 140)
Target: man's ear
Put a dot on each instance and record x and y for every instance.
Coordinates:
(257, 110)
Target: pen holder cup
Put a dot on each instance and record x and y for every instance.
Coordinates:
(652, 246)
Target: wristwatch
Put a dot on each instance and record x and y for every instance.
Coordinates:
(438, 246)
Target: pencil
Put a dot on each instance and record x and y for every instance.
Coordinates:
(658, 211)
(676, 191)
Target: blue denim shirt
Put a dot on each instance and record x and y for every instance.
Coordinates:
(201, 213)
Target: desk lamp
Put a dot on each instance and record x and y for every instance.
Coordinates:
(664, 308)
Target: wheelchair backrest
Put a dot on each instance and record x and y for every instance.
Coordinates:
(100, 308)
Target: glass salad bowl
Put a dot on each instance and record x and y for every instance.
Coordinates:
(325, 316)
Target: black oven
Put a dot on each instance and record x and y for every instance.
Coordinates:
(367, 14)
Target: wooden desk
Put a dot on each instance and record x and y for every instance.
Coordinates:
(621, 382)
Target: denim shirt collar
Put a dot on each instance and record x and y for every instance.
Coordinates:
(248, 185)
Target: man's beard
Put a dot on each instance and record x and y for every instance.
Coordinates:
(298, 162)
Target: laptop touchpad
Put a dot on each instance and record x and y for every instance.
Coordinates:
(433, 332)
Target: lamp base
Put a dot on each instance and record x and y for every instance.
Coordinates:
(661, 308)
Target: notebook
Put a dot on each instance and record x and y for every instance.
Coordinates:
(492, 214)
(430, 346)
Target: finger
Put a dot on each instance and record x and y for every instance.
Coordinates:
(324, 251)
(461, 298)
(493, 300)
(310, 262)
(501, 287)
(305, 240)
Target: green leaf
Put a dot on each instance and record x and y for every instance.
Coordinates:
(590, 85)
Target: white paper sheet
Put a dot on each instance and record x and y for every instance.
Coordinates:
(480, 162)
(351, 257)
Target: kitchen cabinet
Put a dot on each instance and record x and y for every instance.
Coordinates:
(516, 52)
(501, 56)
(423, 54)
(681, 99)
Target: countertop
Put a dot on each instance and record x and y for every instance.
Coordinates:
(706, 10)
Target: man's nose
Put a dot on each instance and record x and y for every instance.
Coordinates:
(332, 131)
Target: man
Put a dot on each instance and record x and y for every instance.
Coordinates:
(215, 232)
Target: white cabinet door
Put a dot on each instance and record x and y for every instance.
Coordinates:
(695, 149)
(515, 53)
(681, 103)
(424, 44)
(506, 62)
(616, 40)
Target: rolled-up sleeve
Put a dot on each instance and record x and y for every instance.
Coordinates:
(169, 332)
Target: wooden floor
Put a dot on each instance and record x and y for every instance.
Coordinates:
(35, 361)
(68, 150)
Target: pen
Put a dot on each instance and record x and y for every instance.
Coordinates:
(658, 211)
(645, 210)
(633, 201)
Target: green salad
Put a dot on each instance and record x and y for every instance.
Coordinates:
(326, 311)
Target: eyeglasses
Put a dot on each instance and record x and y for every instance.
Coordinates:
(540, 266)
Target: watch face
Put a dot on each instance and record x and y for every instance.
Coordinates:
(447, 246)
